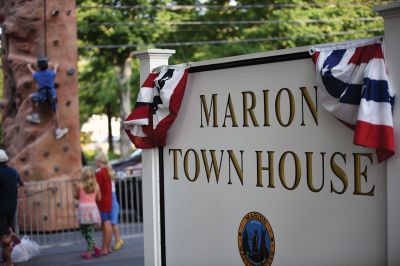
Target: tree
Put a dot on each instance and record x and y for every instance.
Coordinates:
(98, 93)
(245, 243)
(93, 29)
(250, 26)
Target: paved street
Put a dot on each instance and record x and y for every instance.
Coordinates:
(132, 254)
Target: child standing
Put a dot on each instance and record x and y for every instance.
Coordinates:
(47, 93)
(87, 192)
(108, 206)
(114, 217)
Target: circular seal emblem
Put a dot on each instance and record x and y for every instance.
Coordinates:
(256, 240)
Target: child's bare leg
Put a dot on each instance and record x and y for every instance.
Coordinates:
(107, 235)
(57, 120)
(14, 238)
(34, 107)
(117, 234)
(60, 132)
(6, 245)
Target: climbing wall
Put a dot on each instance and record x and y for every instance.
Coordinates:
(32, 28)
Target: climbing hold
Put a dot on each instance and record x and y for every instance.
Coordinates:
(31, 29)
(55, 12)
(59, 204)
(65, 147)
(56, 85)
(27, 84)
(22, 159)
(56, 168)
(17, 129)
(68, 12)
(70, 71)
(68, 103)
(45, 217)
(23, 47)
(26, 173)
(55, 42)
(46, 153)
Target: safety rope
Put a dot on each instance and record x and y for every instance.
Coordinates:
(45, 26)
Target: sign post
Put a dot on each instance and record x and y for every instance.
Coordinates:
(150, 59)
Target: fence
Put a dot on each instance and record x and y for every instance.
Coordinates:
(47, 210)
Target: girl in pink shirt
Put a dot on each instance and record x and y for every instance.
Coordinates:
(87, 192)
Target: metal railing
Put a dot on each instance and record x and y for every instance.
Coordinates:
(47, 210)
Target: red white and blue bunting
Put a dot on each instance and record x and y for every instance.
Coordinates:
(157, 106)
(354, 87)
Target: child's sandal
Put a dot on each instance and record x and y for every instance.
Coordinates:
(86, 255)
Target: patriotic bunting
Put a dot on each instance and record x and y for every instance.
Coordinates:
(157, 106)
(354, 87)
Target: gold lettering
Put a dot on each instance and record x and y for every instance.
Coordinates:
(311, 106)
(186, 165)
(309, 166)
(278, 107)
(297, 170)
(270, 168)
(174, 152)
(266, 108)
(231, 115)
(207, 112)
(339, 173)
(239, 171)
(358, 174)
(214, 164)
(249, 110)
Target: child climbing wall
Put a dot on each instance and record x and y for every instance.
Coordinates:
(46, 93)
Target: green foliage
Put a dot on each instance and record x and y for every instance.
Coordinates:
(98, 88)
(85, 137)
(1, 83)
(277, 24)
(89, 156)
(113, 156)
(100, 81)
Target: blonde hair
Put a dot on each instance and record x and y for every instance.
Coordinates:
(88, 179)
(101, 159)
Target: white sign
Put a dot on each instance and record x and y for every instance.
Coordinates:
(256, 172)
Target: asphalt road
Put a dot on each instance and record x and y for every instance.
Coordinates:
(132, 254)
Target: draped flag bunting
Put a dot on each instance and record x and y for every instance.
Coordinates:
(354, 87)
(157, 106)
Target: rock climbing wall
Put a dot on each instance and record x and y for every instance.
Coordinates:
(32, 28)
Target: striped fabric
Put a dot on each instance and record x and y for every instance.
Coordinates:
(157, 106)
(354, 87)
